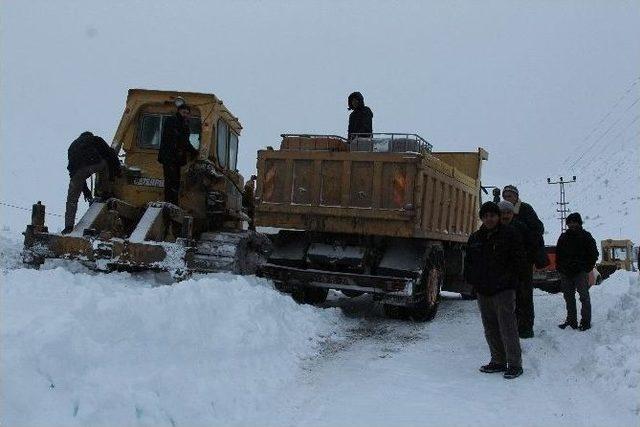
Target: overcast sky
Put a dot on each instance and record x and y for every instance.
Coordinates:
(527, 80)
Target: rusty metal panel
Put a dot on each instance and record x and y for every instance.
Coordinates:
(361, 188)
(427, 201)
(301, 192)
(437, 206)
(275, 177)
(331, 183)
(394, 185)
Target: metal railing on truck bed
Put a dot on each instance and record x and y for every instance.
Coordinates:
(382, 142)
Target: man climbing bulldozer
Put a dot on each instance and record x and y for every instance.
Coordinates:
(174, 147)
(88, 154)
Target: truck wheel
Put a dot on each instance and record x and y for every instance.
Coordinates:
(396, 312)
(428, 308)
(310, 295)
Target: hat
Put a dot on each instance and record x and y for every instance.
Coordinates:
(574, 217)
(511, 188)
(506, 206)
(489, 207)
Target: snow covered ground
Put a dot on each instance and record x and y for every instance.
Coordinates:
(115, 349)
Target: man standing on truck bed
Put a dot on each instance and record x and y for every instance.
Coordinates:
(524, 213)
(87, 155)
(494, 255)
(360, 119)
(576, 255)
(174, 147)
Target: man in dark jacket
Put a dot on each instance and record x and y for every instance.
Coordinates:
(87, 155)
(248, 200)
(360, 119)
(535, 254)
(576, 255)
(174, 149)
(494, 256)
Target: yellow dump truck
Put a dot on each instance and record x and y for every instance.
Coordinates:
(383, 215)
(129, 227)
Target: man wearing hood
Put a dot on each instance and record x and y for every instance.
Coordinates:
(360, 119)
(576, 255)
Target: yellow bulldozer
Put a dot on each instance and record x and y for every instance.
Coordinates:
(616, 255)
(128, 227)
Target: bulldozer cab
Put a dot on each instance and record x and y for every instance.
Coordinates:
(214, 133)
(618, 252)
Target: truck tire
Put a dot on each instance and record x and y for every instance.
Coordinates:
(425, 310)
(310, 295)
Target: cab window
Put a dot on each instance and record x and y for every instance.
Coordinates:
(222, 143)
(233, 150)
(151, 126)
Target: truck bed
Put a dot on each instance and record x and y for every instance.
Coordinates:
(398, 194)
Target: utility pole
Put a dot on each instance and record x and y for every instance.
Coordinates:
(563, 201)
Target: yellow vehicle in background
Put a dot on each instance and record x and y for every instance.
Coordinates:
(128, 227)
(616, 255)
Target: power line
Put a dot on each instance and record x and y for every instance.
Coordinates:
(611, 110)
(27, 209)
(604, 133)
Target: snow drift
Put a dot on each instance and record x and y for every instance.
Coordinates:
(111, 349)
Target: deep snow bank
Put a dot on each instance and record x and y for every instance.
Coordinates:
(83, 349)
(614, 360)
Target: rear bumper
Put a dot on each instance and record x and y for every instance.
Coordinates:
(391, 289)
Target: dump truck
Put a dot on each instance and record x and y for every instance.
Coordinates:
(616, 255)
(129, 227)
(384, 215)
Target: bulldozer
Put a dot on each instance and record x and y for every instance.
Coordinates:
(616, 255)
(129, 227)
(381, 214)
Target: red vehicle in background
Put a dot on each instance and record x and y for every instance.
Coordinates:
(548, 278)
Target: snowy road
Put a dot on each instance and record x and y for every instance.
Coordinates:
(394, 373)
(116, 349)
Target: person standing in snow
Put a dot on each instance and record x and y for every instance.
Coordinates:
(507, 218)
(87, 155)
(360, 119)
(535, 253)
(494, 255)
(576, 256)
(174, 148)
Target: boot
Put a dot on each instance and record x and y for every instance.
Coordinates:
(526, 333)
(574, 325)
(512, 372)
(584, 326)
(493, 367)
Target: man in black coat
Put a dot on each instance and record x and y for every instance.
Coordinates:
(576, 256)
(87, 155)
(535, 253)
(495, 254)
(360, 119)
(174, 150)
